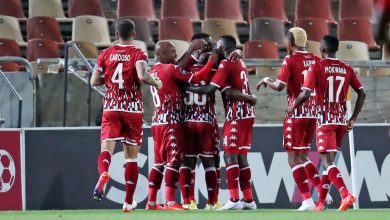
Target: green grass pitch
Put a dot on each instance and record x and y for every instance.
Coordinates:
(260, 214)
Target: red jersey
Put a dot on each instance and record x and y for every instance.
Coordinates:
(117, 63)
(199, 107)
(293, 72)
(168, 100)
(331, 79)
(234, 75)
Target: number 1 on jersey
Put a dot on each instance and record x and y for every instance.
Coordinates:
(117, 77)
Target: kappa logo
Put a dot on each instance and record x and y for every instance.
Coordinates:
(320, 133)
(106, 161)
(321, 148)
(233, 137)
(233, 130)
(325, 186)
(129, 182)
(210, 189)
(289, 129)
(174, 152)
(233, 145)
(316, 175)
(151, 184)
(306, 181)
(173, 145)
(289, 121)
(172, 137)
(289, 144)
(288, 136)
(237, 179)
(171, 130)
(321, 141)
(234, 122)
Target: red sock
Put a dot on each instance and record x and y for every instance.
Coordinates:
(312, 174)
(334, 175)
(155, 179)
(245, 184)
(185, 183)
(232, 178)
(171, 181)
(325, 184)
(131, 178)
(104, 161)
(218, 183)
(192, 186)
(211, 183)
(301, 180)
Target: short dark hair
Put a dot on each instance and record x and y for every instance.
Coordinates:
(200, 36)
(331, 43)
(126, 28)
(229, 41)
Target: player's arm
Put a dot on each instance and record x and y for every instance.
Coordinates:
(97, 78)
(144, 75)
(234, 94)
(204, 89)
(302, 97)
(358, 87)
(186, 58)
(235, 55)
(271, 83)
(205, 74)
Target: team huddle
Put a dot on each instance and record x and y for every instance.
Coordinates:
(185, 127)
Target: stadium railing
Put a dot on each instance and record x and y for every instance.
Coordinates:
(16, 95)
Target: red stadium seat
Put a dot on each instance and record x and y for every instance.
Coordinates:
(42, 48)
(356, 29)
(268, 29)
(12, 8)
(84, 7)
(226, 9)
(44, 28)
(136, 8)
(180, 8)
(9, 66)
(262, 49)
(314, 9)
(176, 28)
(9, 47)
(315, 28)
(356, 9)
(267, 8)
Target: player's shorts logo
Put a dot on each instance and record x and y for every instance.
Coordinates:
(7, 171)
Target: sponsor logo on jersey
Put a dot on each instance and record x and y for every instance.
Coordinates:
(289, 129)
(233, 145)
(321, 148)
(173, 145)
(320, 133)
(233, 137)
(321, 141)
(289, 144)
(106, 161)
(233, 130)
(234, 122)
(288, 136)
(289, 121)
(171, 130)
(172, 137)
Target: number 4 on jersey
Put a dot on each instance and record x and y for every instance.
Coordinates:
(117, 77)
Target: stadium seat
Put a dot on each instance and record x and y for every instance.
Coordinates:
(314, 47)
(356, 9)
(181, 46)
(180, 8)
(52, 8)
(267, 8)
(315, 28)
(142, 28)
(353, 50)
(39, 68)
(42, 48)
(12, 8)
(44, 27)
(261, 49)
(356, 29)
(85, 7)
(88, 49)
(137, 8)
(225, 9)
(9, 47)
(314, 9)
(91, 28)
(271, 29)
(9, 66)
(217, 27)
(176, 28)
(10, 28)
(141, 45)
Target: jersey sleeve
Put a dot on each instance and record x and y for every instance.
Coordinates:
(355, 82)
(142, 56)
(310, 81)
(100, 63)
(221, 75)
(177, 74)
(285, 71)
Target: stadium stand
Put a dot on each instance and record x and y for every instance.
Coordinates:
(268, 29)
(386, 52)
(85, 7)
(180, 8)
(9, 47)
(91, 28)
(51, 8)
(176, 28)
(137, 8)
(44, 27)
(314, 47)
(141, 45)
(314, 9)
(225, 9)
(12, 8)
(216, 27)
(142, 29)
(266, 8)
(356, 29)
(89, 50)
(39, 68)
(356, 9)
(261, 49)
(353, 50)
(315, 28)
(181, 46)
(10, 28)
(42, 48)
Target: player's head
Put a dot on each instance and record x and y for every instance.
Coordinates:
(203, 58)
(329, 45)
(207, 38)
(165, 52)
(296, 38)
(125, 29)
(226, 44)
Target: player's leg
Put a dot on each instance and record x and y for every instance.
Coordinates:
(210, 178)
(217, 160)
(186, 178)
(193, 203)
(246, 182)
(232, 179)
(131, 175)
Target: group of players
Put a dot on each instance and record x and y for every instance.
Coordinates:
(184, 124)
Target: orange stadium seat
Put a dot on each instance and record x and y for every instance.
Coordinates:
(356, 29)
(142, 29)
(315, 28)
(9, 47)
(88, 49)
(176, 28)
(262, 49)
(91, 28)
(271, 29)
(136, 8)
(267, 8)
(45, 28)
(226, 9)
(314, 9)
(42, 48)
(85, 7)
(180, 8)
(52, 8)
(356, 9)
(10, 28)
(12, 8)
(217, 27)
